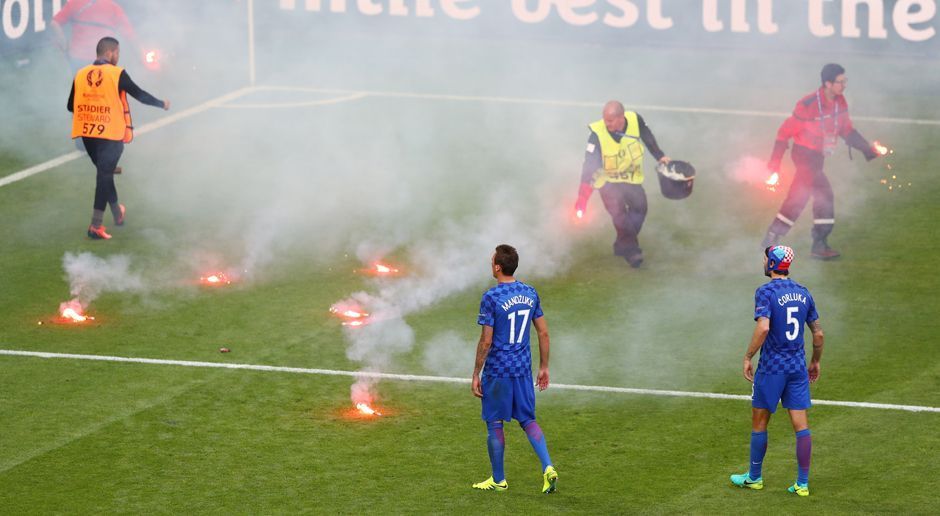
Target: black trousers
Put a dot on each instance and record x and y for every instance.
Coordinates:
(810, 180)
(626, 204)
(105, 154)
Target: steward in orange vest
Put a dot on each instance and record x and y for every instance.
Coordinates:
(102, 119)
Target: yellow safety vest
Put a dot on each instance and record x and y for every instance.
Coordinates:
(623, 161)
(100, 108)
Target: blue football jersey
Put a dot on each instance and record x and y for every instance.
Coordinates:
(789, 306)
(510, 309)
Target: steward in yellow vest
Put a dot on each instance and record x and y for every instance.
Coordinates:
(613, 164)
(102, 119)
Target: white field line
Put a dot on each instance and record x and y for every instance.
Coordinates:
(581, 103)
(442, 379)
(308, 103)
(144, 129)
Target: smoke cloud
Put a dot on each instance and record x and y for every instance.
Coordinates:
(89, 276)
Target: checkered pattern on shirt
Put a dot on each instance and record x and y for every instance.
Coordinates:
(779, 355)
(508, 359)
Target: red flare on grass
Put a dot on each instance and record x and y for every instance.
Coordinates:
(215, 280)
(381, 269)
(365, 409)
(352, 315)
(71, 312)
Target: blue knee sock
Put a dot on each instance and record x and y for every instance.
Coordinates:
(495, 444)
(537, 439)
(758, 449)
(804, 450)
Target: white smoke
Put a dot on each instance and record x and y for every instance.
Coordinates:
(448, 261)
(89, 276)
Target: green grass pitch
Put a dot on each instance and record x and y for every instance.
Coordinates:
(296, 191)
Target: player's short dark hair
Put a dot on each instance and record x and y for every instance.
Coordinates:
(507, 258)
(106, 44)
(830, 72)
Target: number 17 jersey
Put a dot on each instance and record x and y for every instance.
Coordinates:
(789, 306)
(510, 309)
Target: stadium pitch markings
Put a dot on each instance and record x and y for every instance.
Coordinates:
(309, 103)
(579, 103)
(144, 129)
(442, 379)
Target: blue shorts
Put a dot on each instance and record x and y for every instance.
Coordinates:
(508, 398)
(792, 389)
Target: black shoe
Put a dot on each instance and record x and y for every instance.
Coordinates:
(634, 259)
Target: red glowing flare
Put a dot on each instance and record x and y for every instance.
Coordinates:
(71, 312)
(381, 269)
(215, 280)
(365, 409)
(772, 181)
(881, 148)
(579, 214)
(151, 56)
(384, 269)
(352, 315)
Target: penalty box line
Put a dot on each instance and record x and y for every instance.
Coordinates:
(578, 103)
(441, 379)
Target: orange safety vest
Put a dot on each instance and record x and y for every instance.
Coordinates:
(100, 108)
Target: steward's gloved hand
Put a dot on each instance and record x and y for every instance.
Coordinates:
(584, 193)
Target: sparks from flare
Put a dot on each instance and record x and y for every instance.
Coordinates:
(893, 183)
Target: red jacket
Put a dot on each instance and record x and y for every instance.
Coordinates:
(92, 20)
(816, 122)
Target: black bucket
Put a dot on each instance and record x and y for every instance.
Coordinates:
(676, 179)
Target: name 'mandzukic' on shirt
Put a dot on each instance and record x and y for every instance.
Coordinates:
(509, 308)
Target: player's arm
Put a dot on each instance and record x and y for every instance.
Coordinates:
(483, 349)
(541, 329)
(813, 368)
(757, 340)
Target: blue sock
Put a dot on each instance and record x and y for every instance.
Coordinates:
(804, 451)
(537, 439)
(758, 449)
(495, 444)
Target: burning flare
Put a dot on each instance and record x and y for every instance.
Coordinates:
(365, 409)
(579, 214)
(772, 181)
(71, 312)
(881, 148)
(215, 280)
(351, 315)
(381, 269)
